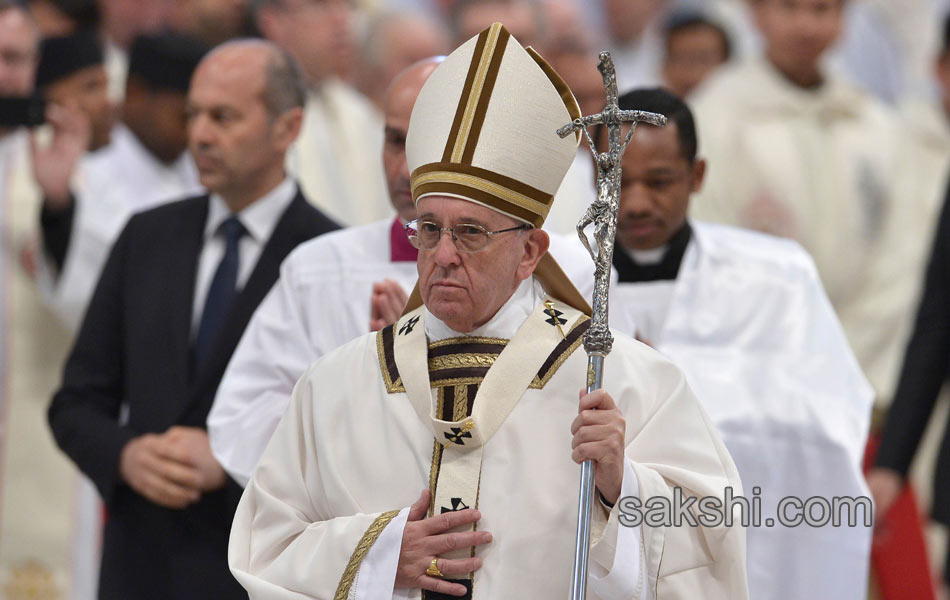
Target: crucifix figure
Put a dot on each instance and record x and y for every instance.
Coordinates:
(602, 213)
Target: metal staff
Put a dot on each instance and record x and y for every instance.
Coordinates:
(602, 213)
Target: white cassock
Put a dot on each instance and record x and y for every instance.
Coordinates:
(49, 512)
(320, 302)
(747, 320)
(337, 157)
(323, 515)
(817, 167)
(111, 185)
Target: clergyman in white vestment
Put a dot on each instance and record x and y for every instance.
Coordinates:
(472, 397)
(745, 316)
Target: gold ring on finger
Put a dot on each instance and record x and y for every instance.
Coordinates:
(433, 570)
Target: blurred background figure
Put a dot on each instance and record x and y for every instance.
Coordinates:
(62, 17)
(336, 156)
(211, 21)
(19, 50)
(569, 47)
(695, 47)
(796, 152)
(524, 19)
(391, 43)
(634, 30)
(121, 21)
(47, 542)
(145, 164)
(72, 75)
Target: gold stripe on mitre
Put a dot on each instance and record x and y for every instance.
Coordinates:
(476, 93)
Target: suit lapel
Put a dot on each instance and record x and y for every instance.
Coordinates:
(294, 227)
(188, 242)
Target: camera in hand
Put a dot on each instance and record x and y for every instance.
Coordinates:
(29, 111)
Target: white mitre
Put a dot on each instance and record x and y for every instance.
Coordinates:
(483, 129)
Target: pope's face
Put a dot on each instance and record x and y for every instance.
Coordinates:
(465, 290)
(656, 183)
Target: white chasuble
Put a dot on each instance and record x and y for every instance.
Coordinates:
(324, 513)
(749, 323)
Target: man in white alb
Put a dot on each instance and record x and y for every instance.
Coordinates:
(745, 316)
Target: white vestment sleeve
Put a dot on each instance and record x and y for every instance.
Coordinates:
(617, 563)
(284, 542)
(274, 352)
(377, 574)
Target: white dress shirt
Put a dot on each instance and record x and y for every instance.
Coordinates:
(259, 218)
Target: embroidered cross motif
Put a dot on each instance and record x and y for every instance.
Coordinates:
(555, 316)
(456, 436)
(407, 327)
(555, 319)
(457, 504)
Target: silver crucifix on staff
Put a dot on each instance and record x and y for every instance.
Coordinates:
(602, 213)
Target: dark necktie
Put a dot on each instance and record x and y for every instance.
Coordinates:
(223, 289)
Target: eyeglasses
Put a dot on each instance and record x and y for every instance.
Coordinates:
(425, 235)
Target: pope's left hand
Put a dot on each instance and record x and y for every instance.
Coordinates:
(599, 436)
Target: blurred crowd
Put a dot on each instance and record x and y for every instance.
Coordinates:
(825, 121)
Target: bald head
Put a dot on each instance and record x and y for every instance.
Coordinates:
(398, 101)
(245, 109)
(392, 43)
(282, 83)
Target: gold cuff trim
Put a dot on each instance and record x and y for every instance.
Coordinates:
(362, 548)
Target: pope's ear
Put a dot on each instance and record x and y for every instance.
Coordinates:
(536, 243)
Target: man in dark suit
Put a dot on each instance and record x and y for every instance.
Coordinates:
(926, 368)
(180, 285)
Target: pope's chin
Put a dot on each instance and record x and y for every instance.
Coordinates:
(449, 304)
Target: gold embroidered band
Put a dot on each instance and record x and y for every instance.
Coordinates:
(362, 548)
